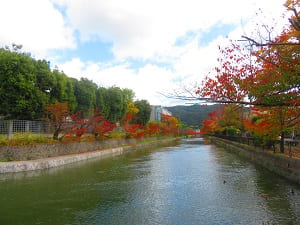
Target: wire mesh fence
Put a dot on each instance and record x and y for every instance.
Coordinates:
(9, 127)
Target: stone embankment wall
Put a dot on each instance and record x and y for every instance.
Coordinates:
(40, 151)
(54, 155)
(277, 163)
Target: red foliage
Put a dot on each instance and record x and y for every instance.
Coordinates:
(193, 132)
(132, 130)
(56, 115)
(96, 124)
(152, 128)
(79, 125)
(102, 127)
(226, 85)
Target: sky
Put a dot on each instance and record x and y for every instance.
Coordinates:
(149, 46)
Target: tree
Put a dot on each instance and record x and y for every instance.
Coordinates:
(153, 128)
(115, 105)
(144, 111)
(211, 126)
(62, 89)
(101, 126)
(132, 129)
(85, 93)
(56, 115)
(169, 125)
(44, 77)
(231, 120)
(20, 97)
(267, 77)
(128, 95)
(100, 104)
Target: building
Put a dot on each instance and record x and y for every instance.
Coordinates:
(166, 112)
(156, 111)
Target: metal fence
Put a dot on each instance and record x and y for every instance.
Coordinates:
(257, 142)
(8, 127)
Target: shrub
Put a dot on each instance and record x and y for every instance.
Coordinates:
(25, 139)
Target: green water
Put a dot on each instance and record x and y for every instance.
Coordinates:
(183, 184)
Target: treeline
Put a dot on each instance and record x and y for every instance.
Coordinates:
(69, 126)
(28, 85)
(192, 115)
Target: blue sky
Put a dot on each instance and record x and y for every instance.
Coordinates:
(150, 47)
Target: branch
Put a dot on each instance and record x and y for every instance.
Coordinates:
(253, 42)
(292, 120)
(224, 101)
(295, 22)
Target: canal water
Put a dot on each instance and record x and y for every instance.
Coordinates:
(190, 183)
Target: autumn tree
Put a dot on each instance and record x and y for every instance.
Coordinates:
(231, 120)
(57, 116)
(169, 125)
(132, 129)
(153, 128)
(262, 125)
(266, 77)
(211, 126)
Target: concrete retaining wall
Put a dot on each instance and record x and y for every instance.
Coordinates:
(45, 163)
(279, 164)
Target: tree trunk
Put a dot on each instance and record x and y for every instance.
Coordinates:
(282, 142)
(55, 135)
(56, 132)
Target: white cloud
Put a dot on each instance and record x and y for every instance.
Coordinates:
(146, 82)
(191, 64)
(138, 29)
(35, 24)
(145, 29)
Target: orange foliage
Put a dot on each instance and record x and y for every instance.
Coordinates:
(169, 125)
(211, 125)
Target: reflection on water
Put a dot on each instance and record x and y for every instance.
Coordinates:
(192, 183)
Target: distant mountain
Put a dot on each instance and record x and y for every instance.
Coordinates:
(192, 115)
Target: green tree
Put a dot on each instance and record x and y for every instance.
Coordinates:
(85, 92)
(44, 76)
(100, 100)
(231, 121)
(19, 96)
(128, 95)
(115, 105)
(62, 89)
(144, 112)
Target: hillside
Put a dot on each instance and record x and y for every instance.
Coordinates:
(192, 115)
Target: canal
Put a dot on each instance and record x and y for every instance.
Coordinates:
(190, 183)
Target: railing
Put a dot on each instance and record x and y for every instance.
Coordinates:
(256, 142)
(9, 127)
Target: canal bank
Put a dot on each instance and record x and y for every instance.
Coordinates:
(55, 155)
(277, 163)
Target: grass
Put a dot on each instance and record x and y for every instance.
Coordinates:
(28, 138)
(23, 139)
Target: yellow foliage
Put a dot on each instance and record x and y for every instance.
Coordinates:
(132, 108)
